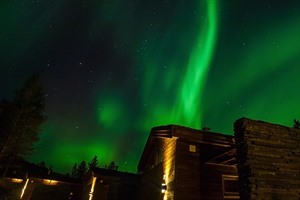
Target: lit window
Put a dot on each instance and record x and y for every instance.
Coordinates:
(158, 156)
(192, 148)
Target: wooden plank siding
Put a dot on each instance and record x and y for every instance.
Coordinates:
(211, 182)
(268, 158)
(169, 155)
(157, 173)
(151, 184)
(197, 180)
(187, 172)
(111, 185)
(184, 168)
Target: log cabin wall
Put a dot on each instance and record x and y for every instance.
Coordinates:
(268, 159)
(187, 171)
(151, 184)
(160, 170)
(106, 184)
(33, 188)
(197, 180)
(168, 162)
(213, 179)
(184, 167)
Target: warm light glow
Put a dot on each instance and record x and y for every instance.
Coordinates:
(168, 166)
(16, 180)
(163, 188)
(24, 188)
(50, 182)
(92, 188)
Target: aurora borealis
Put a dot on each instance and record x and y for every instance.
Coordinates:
(114, 69)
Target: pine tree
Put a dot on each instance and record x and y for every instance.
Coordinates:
(42, 164)
(74, 171)
(112, 166)
(20, 121)
(82, 169)
(296, 124)
(94, 162)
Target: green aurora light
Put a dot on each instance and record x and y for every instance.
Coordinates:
(184, 106)
(114, 69)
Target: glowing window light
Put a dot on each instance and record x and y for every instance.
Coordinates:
(24, 188)
(16, 180)
(50, 182)
(92, 188)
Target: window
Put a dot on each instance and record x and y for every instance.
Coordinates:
(192, 148)
(230, 186)
(156, 157)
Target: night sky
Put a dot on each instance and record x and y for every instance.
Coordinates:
(113, 69)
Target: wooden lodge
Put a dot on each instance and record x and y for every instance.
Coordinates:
(183, 163)
(38, 183)
(106, 184)
(260, 162)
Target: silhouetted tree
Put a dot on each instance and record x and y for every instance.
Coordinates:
(42, 164)
(296, 123)
(82, 169)
(74, 171)
(20, 121)
(94, 162)
(206, 129)
(50, 169)
(112, 166)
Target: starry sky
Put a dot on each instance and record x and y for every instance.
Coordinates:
(113, 69)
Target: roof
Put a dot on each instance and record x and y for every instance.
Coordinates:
(22, 168)
(214, 144)
(112, 173)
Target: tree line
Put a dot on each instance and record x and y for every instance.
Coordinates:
(79, 170)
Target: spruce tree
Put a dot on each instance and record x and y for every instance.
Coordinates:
(82, 169)
(112, 166)
(296, 123)
(94, 162)
(20, 121)
(74, 171)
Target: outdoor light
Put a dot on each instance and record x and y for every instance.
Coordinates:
(50, 182)
(24, 188)
(16, 180)
(92, 188)
(163, 188)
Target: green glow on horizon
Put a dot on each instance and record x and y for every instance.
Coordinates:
(62, 153)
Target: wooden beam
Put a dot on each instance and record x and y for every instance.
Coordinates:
(219, 156)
